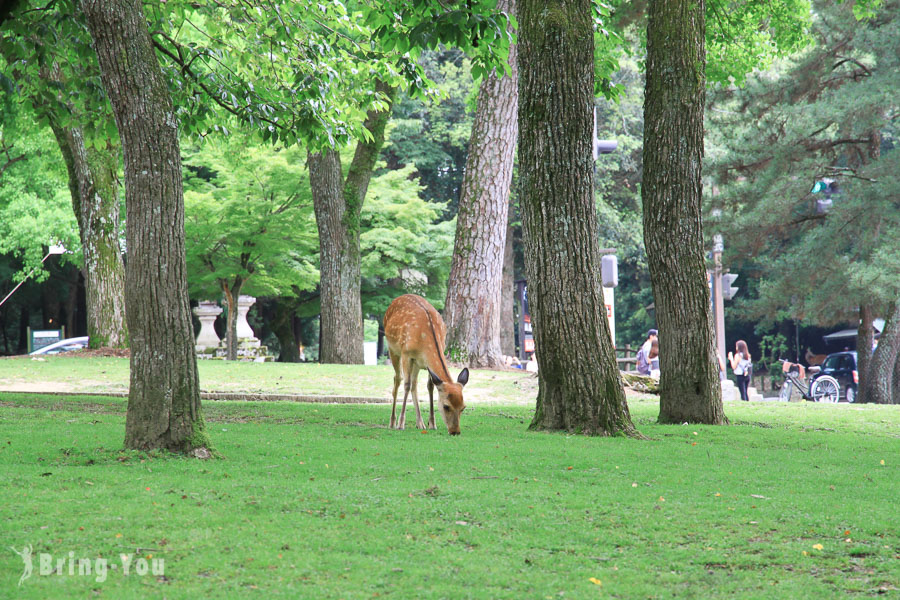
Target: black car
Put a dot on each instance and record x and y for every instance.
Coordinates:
(841, 366)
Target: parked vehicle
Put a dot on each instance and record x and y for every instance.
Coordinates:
(67, 345)
(841, 366)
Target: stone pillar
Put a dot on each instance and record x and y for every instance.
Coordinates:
(244, 332)
(207, 312)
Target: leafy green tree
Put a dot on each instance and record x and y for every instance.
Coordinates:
(433, 132)
(57, 75)
(249, 223)
(826, 115)
(35, 210)
(406, 243)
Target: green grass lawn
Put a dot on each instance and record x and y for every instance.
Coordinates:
(322, 501)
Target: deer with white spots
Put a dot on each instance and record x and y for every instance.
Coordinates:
(415, 334)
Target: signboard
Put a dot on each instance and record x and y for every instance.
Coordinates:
(38, 338)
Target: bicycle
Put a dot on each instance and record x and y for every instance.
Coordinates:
(823, 389)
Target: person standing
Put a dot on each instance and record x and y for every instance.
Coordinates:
(654, 359)
(643, 355)
(741, 365)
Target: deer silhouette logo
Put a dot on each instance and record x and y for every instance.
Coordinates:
(26, 558)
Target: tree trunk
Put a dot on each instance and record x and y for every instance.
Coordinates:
(95, 201)
(865, 338)
(473, 307)
(580, 389)
(895, 385)
(877, 384)
(232, 293)
(342, 328)
(338, 205)
(164, 398)
(508, 297)
(283, 328)
(673, 236)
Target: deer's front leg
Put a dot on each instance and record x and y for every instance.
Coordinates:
(420, 424)
(431, 424)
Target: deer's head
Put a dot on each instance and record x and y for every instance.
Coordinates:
(450, 399)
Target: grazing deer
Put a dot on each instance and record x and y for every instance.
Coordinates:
(415, 335)
(814, 359)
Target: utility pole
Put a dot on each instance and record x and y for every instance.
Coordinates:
(717, 298)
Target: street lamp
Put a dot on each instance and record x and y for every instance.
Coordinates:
(54, 249)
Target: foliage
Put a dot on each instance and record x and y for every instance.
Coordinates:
(830, 114)
(433, 133)
(248, 215)
(772, 348)
(35, 205)
(405, 245)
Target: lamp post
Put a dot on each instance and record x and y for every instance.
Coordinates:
(54, 249)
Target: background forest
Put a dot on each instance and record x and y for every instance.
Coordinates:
(825, 111)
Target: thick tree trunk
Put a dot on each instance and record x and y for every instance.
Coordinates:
(580, 389)
(473, 307)
(877, 386)
(164, 399)
(95, 201)
(338, 205)
(342, 328)
(508, 297)
(865, 338)
(673, 153)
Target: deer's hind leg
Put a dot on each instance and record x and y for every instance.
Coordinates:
(395, 361)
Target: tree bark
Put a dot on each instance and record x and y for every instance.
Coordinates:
(95, 201)
(164, 398)
(895, 385)
(580, 389)
(865, 338)
(673, 153)
(508, 296)
(877, 385)
(338, 204)
(473, 307)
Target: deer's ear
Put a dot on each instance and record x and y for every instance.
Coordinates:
(463, 378)
(434, 378)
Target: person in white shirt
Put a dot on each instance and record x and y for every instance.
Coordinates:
(741, 365)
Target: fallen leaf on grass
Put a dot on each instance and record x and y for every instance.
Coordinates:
(882, 461)
(818, 546)
(595, 581)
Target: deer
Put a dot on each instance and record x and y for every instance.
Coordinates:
(814, 359)
(415, 335)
